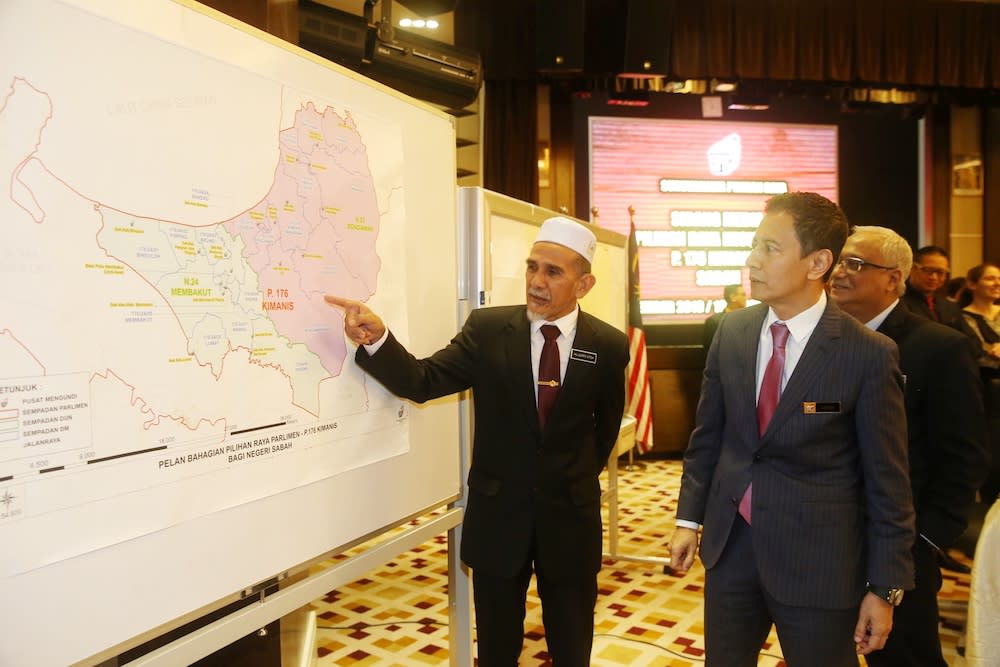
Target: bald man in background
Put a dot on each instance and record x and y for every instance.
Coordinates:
(945, 424)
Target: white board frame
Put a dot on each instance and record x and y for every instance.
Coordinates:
(120, 596)
(499, 228)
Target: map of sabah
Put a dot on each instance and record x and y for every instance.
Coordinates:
(247, 289)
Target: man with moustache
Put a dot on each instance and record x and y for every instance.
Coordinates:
(945, 421)
(540, 441)
(796, 471)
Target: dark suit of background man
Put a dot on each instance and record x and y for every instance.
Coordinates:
(946, 426)
(534, 496)
(924, 295)
(827, 544)
(735, 298)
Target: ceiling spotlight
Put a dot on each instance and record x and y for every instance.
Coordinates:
(405, 23)
(432, 24)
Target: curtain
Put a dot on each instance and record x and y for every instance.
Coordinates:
(510, 138)
(880, 42)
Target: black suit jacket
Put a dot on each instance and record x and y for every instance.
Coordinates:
(946, 422)
(948, 314)
(525, 484)
(832, 507)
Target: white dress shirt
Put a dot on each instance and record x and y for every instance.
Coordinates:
(800, 328)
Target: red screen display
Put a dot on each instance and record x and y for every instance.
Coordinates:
(697, 189)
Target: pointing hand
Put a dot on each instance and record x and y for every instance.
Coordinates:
(361, 325)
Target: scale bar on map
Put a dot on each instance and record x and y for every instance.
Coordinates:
(256, 428)
(119, 456)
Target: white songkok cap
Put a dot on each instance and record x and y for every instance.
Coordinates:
(569, 233)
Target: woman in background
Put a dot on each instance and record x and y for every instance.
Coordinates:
(981, 312)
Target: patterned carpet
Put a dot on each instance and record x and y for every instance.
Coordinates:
(398, 614)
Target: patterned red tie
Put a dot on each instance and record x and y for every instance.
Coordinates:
(767, 401)
(548, 373)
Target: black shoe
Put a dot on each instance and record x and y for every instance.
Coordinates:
(949, 563)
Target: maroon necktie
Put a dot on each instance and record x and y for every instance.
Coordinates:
(548, 373)
(767, 401)
(930, 306)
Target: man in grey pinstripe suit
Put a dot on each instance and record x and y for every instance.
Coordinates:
(821, 547)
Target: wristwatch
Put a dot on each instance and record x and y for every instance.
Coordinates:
(891, 595)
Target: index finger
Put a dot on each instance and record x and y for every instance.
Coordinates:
(341, 302)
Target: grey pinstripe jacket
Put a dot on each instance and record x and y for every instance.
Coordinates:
(832, 506)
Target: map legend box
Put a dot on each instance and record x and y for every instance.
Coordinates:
(10, 426)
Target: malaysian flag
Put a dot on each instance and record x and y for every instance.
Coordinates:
(639, 403)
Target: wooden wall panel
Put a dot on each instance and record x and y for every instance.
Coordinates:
(675, 383)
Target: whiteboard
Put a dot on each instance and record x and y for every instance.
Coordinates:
(498, 232)
(168, 122)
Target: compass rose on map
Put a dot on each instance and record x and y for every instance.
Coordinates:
(7, 500)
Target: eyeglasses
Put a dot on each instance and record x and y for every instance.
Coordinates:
(856, 265)
(931, 271)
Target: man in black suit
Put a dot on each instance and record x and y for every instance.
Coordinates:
(927, 276)
(945, 423)
(923, 294)
(534, 496)
(735, 298)
(797, 466)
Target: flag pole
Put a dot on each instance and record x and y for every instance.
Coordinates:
(632, 463)
(637, 426)
(638, 389)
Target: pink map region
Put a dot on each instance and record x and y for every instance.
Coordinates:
(315, 231)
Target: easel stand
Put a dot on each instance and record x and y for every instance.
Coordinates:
(210, 638)
(625, 443)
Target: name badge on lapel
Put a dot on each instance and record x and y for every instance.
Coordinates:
(814, 408)
(583, 355)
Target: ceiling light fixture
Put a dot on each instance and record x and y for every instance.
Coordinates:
(419, 24)
(746, 103)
